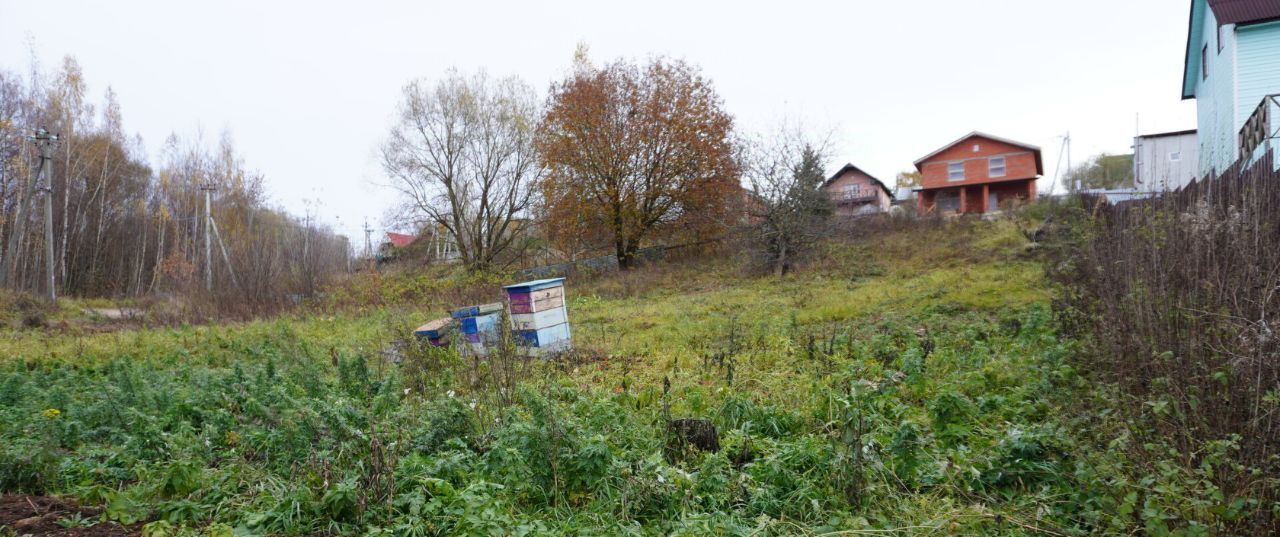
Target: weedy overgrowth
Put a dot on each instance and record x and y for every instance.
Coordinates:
(832, 410)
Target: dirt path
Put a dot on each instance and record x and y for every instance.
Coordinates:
(39, 515)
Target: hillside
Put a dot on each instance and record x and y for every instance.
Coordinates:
(907, 382)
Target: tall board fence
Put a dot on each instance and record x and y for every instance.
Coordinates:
(1181, 295)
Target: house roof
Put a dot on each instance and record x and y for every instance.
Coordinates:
(976, 134)
(1238, 12)
(400, 240)
(850, 167)
(1167, 134)
(1245, 11)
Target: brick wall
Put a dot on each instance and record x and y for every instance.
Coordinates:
(1020, 163)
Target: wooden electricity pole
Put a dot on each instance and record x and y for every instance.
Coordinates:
(208, 237)
(368, 244)
(47, 143)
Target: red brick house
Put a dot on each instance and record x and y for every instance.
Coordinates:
(977, 174)
(855, 192)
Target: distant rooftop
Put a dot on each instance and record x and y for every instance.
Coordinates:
(1245, 11)
(1166, 134)
(400, 240)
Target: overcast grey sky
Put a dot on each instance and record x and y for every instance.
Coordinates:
(307, 89)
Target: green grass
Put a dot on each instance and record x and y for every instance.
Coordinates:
(907, 384)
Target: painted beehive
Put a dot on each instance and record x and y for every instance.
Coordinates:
(472, 311)
(539, 320)
(479, 325)
(543, 337)
(532, 321)
(436, 331)
(533, 301)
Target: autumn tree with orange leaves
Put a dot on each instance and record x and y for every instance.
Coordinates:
(635, 153)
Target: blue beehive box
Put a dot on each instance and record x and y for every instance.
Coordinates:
(479, 325)
(543, 337)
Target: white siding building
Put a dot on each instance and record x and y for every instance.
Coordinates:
(1165, 162)
(1232, 68)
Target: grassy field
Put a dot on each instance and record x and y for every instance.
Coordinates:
(908, 384)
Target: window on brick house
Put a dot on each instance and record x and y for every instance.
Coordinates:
(955, 171)
(995, 167)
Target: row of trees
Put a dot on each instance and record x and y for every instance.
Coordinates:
(619, 156)
(123, 226)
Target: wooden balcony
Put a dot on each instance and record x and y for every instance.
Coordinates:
(1260, 129)
(852, 196)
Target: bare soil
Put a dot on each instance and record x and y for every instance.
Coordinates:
(39, 515)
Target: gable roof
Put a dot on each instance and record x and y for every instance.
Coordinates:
(1238, 12)
(400, 240)
(976, 134)
(850, 167)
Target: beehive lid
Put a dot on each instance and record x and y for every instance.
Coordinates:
(434, 327)
(472, 311)
(534, 285)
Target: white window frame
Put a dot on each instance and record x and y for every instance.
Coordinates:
(991, 167)
(1175, 156)
(951, 173)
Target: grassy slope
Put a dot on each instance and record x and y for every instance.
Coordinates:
(928, 350)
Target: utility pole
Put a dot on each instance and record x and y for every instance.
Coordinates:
(208, 238)
(47, 143)
(368, 245)
(222, 247)
(1074, 186)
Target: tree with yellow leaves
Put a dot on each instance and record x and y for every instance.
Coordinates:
(635, 152)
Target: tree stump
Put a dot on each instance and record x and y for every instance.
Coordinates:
(687, 434)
